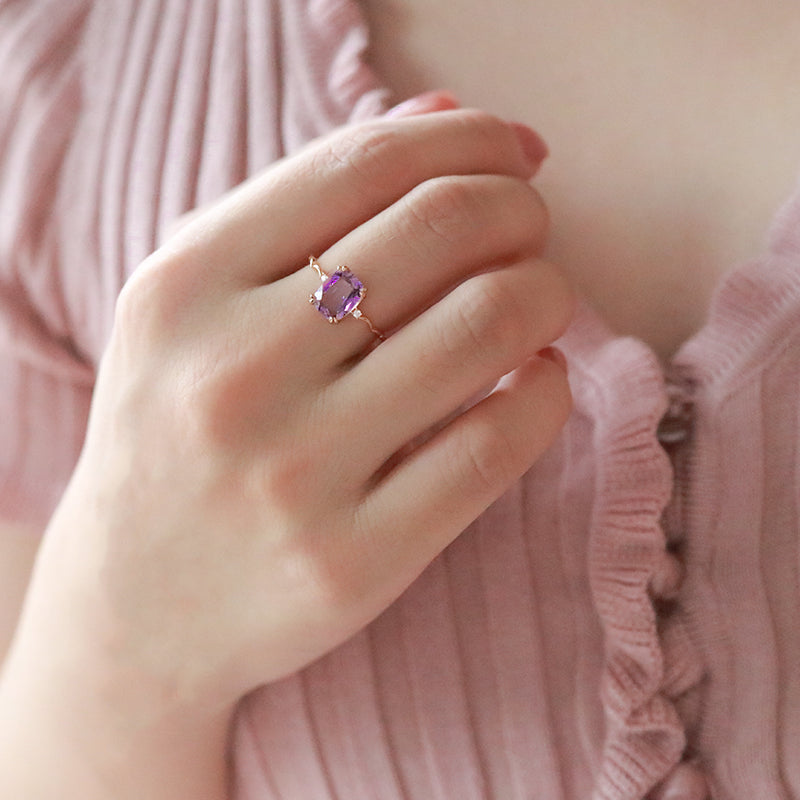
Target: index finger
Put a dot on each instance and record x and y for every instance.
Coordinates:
(306, 202)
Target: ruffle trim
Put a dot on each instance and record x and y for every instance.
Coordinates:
(651, 665)
(649, 662)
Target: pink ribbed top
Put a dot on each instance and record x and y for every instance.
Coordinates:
(625, 616)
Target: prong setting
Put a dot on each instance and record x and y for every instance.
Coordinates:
(339, 295)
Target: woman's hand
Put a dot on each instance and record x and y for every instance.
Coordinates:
(257, 485)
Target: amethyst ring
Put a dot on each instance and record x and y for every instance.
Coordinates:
(339, 295)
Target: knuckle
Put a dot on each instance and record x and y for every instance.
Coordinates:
(517, 220)
(534, 215)
(560, 295)
(142, 304)
(493, 134)
(322, 543)
(491, 458)
(209, 391)
(369, 151)
(161, 293)
(448, 207)
(232, 411)
(294, 476)
(497, 216)
(486, 319)
(331, 577)
(286, 477)
(487, 127)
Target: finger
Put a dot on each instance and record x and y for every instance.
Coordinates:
(425, 103)
(482, 330)
(440, 488)
(266, 228)
(408, 257)
(433, 238)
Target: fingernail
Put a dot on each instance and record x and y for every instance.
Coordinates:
(437, 100)
(533, 145)
(555, 355)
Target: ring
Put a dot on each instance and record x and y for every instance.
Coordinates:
(339, 295)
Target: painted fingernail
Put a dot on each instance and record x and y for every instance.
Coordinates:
(533, 145)
(437, 100)
(555, 355)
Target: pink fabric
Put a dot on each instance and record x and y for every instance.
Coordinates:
(539, 656)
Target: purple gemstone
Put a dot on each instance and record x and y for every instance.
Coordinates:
(338, 295)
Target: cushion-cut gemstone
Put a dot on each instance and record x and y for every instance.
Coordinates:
(338, 295)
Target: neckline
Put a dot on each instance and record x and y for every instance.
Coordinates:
(750, 309)
(749, 313)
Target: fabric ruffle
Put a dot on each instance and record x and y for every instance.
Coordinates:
(648, 662)
(124, 115)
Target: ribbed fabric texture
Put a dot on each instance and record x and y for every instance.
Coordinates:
(535, 657)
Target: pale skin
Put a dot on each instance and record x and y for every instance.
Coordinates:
(189, 563)
(630, 226)
(672, 128)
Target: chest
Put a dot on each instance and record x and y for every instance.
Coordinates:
(672, 132)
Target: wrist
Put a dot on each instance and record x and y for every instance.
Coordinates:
(69, 722)
(73, 713)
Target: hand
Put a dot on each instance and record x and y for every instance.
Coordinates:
(248, 496)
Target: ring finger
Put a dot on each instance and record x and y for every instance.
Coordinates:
(411, 255)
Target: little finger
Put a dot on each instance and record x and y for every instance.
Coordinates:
(444, 485)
